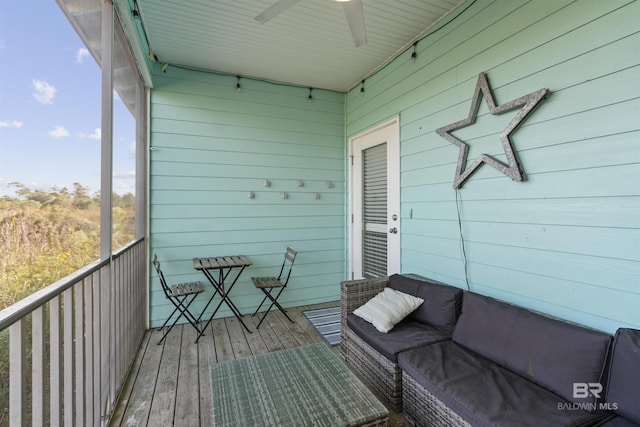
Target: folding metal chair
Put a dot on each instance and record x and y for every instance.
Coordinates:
(181, 296)
(268, 284)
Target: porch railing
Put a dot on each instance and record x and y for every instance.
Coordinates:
(72, 343)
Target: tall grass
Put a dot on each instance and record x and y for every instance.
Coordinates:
(39, 247)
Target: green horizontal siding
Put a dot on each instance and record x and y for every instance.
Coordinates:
(211, 147)
(567, 240)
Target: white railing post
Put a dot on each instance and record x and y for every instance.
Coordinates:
(105, 341)
(89, 350)
(37, 366)
(97, 350)
(68, 357)
(17, 374)
(55, 362)
(79, 362)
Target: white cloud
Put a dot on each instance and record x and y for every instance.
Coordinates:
(130, 174)
(58, 132)
(80, 54)
(11, 124)
(43, 92)
(97, 134)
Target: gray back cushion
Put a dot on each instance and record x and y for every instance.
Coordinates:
(623, 389)
(441, 305)
(549, 352)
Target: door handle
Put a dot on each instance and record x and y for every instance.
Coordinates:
(393, 230)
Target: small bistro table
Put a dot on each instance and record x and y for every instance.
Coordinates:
(217, 270)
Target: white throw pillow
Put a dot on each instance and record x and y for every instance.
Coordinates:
(388, 308)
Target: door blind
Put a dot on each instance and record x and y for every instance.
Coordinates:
(374, 207)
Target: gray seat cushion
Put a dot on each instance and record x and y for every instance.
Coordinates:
(484, 393)
(406, 335)
(619, 422)
(549, 352)
(441, 305)
(623, 388)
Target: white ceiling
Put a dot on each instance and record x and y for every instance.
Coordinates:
(309, 44)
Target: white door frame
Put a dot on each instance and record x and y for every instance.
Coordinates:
(388, 132)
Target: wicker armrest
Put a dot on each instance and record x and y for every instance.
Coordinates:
(354, 293)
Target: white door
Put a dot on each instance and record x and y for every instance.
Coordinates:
(375, 201)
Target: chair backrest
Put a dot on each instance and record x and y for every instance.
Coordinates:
(156, 264)
(287, 265)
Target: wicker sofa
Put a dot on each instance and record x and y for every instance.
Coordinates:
(374, 355)
(501, 365)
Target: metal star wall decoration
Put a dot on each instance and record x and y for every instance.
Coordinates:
(512, 169)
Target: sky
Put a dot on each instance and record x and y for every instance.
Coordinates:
(50, 105)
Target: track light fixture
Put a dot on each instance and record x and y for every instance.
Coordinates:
(362, 88)
(238, 88)
(164, 67)
(310, 98)
(414, 54)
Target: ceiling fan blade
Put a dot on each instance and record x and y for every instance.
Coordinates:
(275, 9)
(355, 17)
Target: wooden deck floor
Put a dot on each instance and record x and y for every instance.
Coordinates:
(170, 385)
